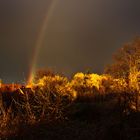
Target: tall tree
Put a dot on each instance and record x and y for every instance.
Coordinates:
(127, 66)
(126, 60)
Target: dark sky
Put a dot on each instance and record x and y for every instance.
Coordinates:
(80, 35)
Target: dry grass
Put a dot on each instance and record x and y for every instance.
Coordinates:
(55, 104)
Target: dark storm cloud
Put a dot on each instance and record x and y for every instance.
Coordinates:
(19, 27)
(84, 34)
(81, 34)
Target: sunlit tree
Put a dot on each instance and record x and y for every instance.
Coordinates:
(126, 60)
(126, 65)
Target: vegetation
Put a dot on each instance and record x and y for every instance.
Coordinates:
(87, 106)
(126, 60)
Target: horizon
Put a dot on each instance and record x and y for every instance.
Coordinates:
(66, 36)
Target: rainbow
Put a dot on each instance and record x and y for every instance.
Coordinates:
(40, 39)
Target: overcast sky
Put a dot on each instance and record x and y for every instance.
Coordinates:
(80, 35)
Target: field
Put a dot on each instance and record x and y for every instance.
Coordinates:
(87, 106)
